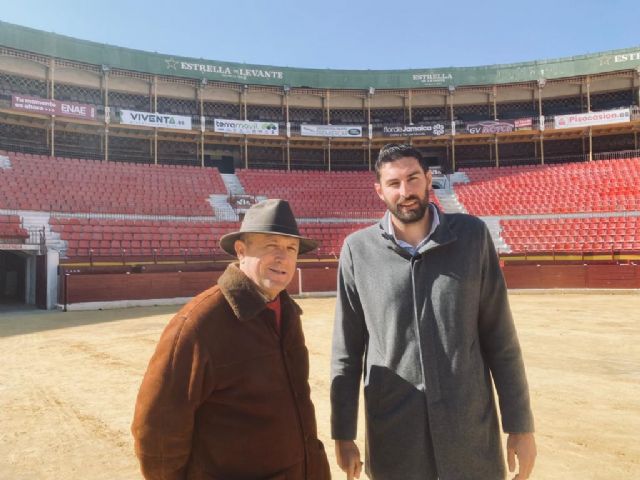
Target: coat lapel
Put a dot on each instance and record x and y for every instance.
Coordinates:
(247, 302)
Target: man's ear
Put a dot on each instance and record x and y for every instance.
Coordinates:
(378, 188)
(240, 248)
(429, 177)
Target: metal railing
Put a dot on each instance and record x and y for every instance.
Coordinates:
(37, 236)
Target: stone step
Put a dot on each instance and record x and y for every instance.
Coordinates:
(38, 220)
(449, 201)
(493, 224)
(221, 207)
(233, 184)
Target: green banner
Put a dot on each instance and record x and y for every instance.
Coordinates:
(60, 46)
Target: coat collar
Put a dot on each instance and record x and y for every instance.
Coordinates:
(244, 297)
(441, 236)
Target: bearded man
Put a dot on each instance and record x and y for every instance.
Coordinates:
(422, 316)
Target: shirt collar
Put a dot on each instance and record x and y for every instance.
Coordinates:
(435, 221)
(243, 295)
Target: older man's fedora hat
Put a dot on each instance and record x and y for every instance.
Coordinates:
(269, 216)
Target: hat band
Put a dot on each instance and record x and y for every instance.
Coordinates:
(270, 228)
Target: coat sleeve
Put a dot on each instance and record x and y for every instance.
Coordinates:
(349, 338)
(176, 383)
(500, 344)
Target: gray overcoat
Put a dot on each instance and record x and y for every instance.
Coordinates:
(427, 334)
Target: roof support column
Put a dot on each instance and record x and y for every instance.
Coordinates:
(154, 94)
(636, 79)
(494, 95)
(243, 100)
(588, 83)
(326, 100)
(453, 154)
(246, 152)
(155, 145)
(51, 74)
(52, 126)
(200, 99)
(154, 100)
(106, 142)
(541, 83)
(52, 138)
(104, 81)
(202, 145)
(288, 155)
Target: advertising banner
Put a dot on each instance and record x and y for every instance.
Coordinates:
(245, 127)
(498, 126)
(160, 120)
(592, 118)
(53, 107)
(422, 129)
(330, 130)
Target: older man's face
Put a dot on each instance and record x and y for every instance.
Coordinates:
(268, 260)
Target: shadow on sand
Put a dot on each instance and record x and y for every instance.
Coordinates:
(24, 320)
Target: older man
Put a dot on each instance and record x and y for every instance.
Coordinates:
(423, 312)
(226, 394)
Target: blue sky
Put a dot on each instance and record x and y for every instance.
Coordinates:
(347, 34)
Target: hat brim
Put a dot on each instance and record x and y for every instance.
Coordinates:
(227, 241)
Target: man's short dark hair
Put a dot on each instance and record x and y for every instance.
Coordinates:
(393, 151)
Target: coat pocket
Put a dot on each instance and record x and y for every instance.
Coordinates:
(387, 392)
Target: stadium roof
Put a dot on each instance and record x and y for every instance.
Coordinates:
(68, 48)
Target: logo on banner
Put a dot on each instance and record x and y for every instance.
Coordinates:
(432, 78)
(432, 129)
(245, 127)
(523, 123)
(146, 119)
(626, 57)
(592, 118)
(498, 126)
(53, 107)
(330, 130)
(226, 71)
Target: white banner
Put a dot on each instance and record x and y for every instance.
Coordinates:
(330, 131)
(592, 118)
(245, 127)
(161, 120)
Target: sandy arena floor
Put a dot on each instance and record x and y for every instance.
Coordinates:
(69, 381)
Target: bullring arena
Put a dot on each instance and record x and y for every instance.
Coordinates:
(71, 379)
(121, 169)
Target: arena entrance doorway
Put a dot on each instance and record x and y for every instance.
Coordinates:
(433, 161)
(224, 164)
(23, 280)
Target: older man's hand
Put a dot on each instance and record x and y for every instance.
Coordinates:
(523, 446)
(348, 457)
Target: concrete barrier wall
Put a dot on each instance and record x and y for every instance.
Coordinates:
(108, 287)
